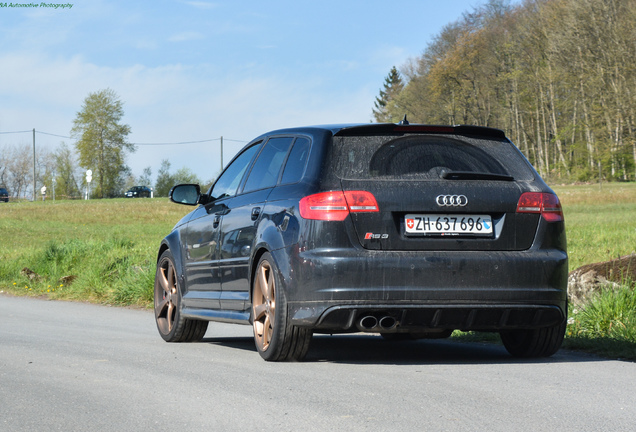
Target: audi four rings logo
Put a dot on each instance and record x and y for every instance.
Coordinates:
(451, 200)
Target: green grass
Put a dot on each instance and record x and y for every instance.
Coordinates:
(110, 247)
(600, 224)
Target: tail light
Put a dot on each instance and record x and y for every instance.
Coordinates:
(546, 204)
(336, 205)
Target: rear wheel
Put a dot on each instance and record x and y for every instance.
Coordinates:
(172, 326)
(541, 342)
(275, 338)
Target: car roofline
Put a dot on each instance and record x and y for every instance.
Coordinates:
(362, 129)
(390, 128)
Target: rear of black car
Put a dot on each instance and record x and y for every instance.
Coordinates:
(420, 230)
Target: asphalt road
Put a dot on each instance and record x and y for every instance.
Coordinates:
(79, 367)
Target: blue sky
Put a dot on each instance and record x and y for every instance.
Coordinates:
(198, 70)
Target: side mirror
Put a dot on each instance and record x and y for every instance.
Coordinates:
(188, 194)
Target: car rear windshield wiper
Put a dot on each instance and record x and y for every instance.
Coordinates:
(468, 175)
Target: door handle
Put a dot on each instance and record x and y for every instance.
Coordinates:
(217, 220)
(256, 212)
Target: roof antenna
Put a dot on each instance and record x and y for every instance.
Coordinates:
(404, 121)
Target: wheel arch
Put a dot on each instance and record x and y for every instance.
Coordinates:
(260, 251)
(281, 264)
(172, 242)
(269, 240)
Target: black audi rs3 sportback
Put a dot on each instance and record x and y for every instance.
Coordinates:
(409, 231)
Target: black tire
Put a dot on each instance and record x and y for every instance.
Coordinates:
(172, 326)
(542, 342)
(275, 338)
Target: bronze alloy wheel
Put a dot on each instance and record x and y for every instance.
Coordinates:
(264, 305)
(166, 296)
(171, 324)
(275, 337)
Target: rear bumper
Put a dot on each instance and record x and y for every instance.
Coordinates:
(332, 290)
(393, 318)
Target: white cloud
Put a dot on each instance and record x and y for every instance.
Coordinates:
(171, 103)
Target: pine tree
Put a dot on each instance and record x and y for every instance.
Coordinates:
(393, 85)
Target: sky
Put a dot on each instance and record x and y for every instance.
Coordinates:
(190, 72)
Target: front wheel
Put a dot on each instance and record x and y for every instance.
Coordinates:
(275, 337)
(172, 326)
(542, 342)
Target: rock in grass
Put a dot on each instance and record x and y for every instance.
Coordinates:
(27, 272)
(589, 279)
(67, 280)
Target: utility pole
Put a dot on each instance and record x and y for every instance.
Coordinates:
(221, 153)
(34, 165)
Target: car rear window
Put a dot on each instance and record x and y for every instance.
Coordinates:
(426, 157)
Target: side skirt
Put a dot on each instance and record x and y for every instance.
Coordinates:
(228, 316)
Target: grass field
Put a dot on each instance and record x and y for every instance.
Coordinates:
(108, 246)
(104, 251)
(600, 224)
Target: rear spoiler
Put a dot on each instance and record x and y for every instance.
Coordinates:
(392, 129)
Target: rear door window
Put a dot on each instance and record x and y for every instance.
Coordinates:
(266, 169)
(295, 165)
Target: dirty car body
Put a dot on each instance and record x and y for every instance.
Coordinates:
(410, 231)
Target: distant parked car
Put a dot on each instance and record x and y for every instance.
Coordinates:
(4, 195)
(138, 192)
(409, 231)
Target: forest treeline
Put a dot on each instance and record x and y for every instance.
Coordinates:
(558, 76)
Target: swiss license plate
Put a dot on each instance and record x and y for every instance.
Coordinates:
(448, 224)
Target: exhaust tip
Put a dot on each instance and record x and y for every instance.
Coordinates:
(388, 323)
(368, 322)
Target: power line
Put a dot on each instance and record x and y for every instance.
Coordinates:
(139, 144)
(15, 132)
(176, 143)
(46, 133)
(189, 142)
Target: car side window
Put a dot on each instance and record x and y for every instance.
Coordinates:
(295, 166)
(267, 167)
(227, 184)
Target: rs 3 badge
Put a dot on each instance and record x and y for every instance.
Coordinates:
(371, 236)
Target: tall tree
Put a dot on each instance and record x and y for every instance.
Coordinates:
(164, 180)
(101, 140)
(557, 75)
(66, 175)
(20, 170)
(3, 168)
(145, 177)
(393, 85)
